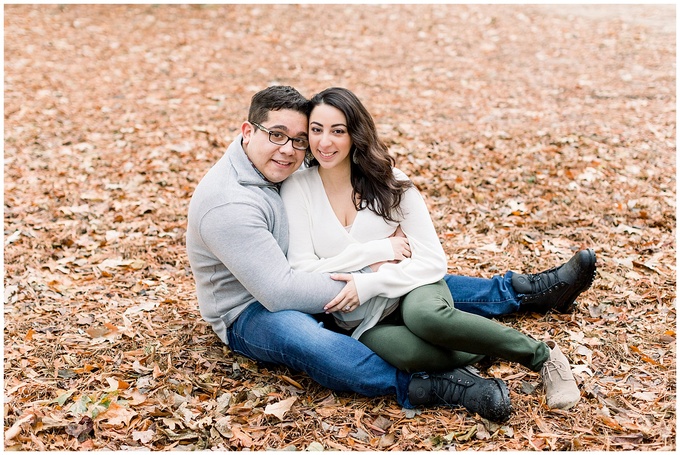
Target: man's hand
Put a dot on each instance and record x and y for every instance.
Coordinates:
(348, 299)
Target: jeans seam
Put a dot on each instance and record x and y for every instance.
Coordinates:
(485, 301)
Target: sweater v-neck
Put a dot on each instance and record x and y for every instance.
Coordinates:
(347, 229)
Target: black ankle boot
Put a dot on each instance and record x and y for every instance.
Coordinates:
(558, 287)
(462, 387)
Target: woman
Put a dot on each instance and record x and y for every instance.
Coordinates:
(351, 210)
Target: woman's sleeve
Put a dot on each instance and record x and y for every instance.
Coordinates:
(427, 264)
(301, 252)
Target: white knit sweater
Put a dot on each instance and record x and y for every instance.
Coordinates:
(319, 242)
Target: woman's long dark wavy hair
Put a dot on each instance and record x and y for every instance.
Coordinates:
(373, 180)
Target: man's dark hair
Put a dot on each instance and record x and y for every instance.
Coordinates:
(276, 98)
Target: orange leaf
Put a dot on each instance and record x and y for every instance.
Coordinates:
(291, 381)
(86, 369)
(246, 441)
(96, 332)
(643, 357)
(156, 371)
(116, 415)
(112, 328)
(116, 384)
(611, 423)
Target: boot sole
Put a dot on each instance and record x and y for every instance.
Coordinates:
(505, 413)
(568, 306)
(500, 413)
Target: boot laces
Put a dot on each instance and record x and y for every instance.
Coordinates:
(450, 391)
(541, 282)
(557, 367)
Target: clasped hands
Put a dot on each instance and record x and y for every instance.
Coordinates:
(348, 299)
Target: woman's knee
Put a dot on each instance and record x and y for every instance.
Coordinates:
(435, 313)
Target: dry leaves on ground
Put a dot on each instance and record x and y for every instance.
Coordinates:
(531, 130)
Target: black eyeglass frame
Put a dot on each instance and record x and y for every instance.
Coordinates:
(288, 138)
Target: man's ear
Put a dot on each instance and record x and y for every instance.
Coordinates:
(247, 130)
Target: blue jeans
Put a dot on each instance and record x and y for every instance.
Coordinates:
(300, 342)
(488, 297)
(339, 362)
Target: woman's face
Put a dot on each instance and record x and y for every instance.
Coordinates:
(329, 139)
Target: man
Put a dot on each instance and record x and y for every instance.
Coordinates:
(237, 239)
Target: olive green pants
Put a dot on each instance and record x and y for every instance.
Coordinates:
(427, 333)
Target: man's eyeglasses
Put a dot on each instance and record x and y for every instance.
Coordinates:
(278, 138)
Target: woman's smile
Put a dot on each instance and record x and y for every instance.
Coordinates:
(326, 154)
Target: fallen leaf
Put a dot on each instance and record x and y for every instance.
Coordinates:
(144, 437)
(13, 237)
(280, 408)
(63, 398)
(15, 429)
(146, 306)
(116, 384)
(645, 396)
(245, 440)
(82, 429)
(98, 332)
(315, 446)
(223, 426)
(116, 415)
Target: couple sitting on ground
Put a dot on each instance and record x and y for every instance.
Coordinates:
(274, 252)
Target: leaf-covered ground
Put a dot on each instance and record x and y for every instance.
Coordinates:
(532, 131)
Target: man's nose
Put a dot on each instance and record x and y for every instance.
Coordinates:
(287, 148)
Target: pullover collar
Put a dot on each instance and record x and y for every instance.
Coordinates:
(245, 169)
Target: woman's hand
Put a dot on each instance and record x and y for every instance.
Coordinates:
(401, 247)
(348, 299)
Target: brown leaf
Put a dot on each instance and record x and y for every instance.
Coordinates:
(382, 423)
(244, 440)
(143, 436)
(116, 415)
(291, 381)
(82, 429)
(97, 332)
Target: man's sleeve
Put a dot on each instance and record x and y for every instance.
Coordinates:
(238, 235)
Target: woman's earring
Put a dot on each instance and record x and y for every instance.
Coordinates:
(354, 156)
